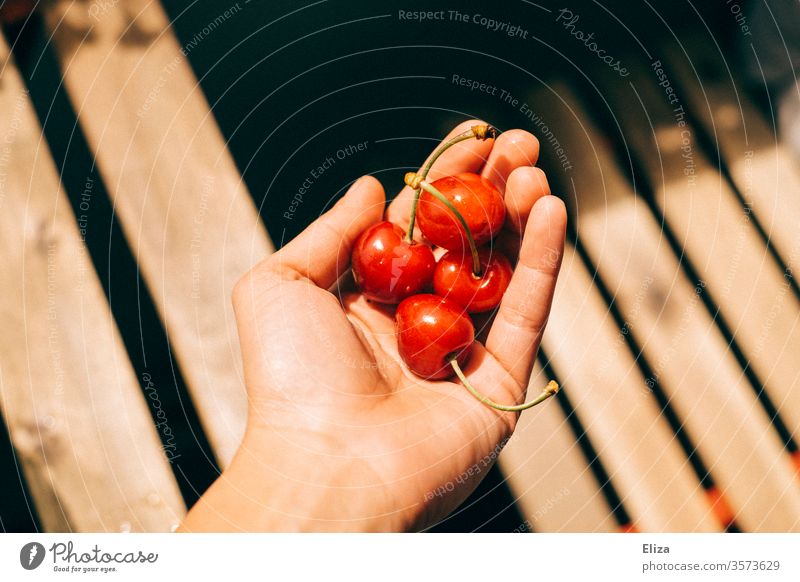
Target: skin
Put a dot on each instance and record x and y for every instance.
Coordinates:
(340, 435)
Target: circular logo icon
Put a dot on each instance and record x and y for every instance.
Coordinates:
(31, 555)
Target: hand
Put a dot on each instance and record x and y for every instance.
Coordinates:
(340, 435)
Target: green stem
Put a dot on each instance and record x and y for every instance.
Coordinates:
(473, 248)
(549, 390)
(476, 131)
(412, 220)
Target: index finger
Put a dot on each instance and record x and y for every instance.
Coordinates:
(466, 156)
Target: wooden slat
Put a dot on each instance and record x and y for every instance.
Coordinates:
(686, 350)
(549, 476)
(179, 197)
(763, 169)
(77, 417)
(633, 441)
(718, 236)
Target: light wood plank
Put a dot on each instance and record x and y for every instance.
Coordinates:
(76, 414)
(762, 168)
(549, 476)
(633, 441)
(718, 235)
(180, 200)
(688, 354)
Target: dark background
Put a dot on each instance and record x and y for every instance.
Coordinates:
(291, 84)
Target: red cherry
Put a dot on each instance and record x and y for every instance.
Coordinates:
(430, 331)
(453, 278)
(478, 201)
(387, 268)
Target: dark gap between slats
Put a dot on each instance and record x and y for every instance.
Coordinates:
(141, 329)
(491, 508)
(632, 167)
(708, 146)
(17, 512)
(599, 472)
(688, 447)
(690, 450)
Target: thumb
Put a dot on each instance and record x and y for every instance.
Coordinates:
(322, 251)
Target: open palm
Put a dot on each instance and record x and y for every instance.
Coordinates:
(341, 433)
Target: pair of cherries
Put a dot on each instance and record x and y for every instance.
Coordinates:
(461, 214)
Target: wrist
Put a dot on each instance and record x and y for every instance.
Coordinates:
(294, 483)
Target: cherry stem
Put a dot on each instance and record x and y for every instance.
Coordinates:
(414, 179)
(473, 248)
(551, 388)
